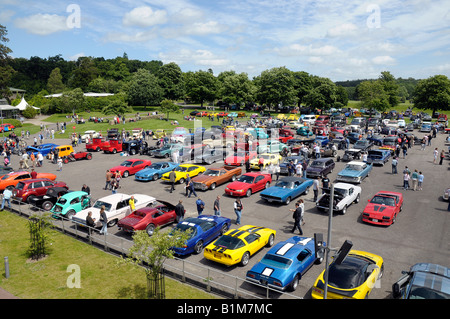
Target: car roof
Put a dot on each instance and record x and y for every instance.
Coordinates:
(356, 163)
(292, 246)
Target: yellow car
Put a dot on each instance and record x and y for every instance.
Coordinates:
(267, 159)
(237, 245)
(159, 133)
(354, 278)
(229, 128)
(182, 171)
(281, 116)
(293, 117)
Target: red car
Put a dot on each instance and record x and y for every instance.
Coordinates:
(222, 114)
(240, 157)
(130, 167)
(148, 218)
(112, 146)
(248, 184)
(6, 127)
(286, 131)
(76, 156)
(25, 190)
(383, 208)
(95, 146)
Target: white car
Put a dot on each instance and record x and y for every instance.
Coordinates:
(401, 123)
(89, 134)
(116, 207)
(311, 119)
(344, 195)
(137, 133)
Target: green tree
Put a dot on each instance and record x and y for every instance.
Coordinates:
(83, 74)
(433, 94)
(171, 81)
(236, 88)
(275, 86)
(391, 87)
(302, 85)
(117, 106)
(168, 106)
(201, 86)
(71, 101)
(322, 95)
(144, 89)
(55, 83)
(6, 71)
(373, 96)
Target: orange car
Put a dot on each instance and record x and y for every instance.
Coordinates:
(11, 179)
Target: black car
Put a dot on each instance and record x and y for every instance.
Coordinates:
(340, 143)
(211, 155)
(363, 145)
(320, 167)
(47, 201)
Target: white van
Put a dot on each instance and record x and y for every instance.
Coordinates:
(311, 119)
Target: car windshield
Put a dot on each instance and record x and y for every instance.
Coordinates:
(246, 179)
(340, 191)
(318, 164)
(20, 186)
(375, 154)
(126, 164)
(211, 172)
(354, 167)
(229, 242)
(186, 226)
(181, 169)
(285, 184)
(98, 204)
(156, 166)
(276, 261)
(383, 200)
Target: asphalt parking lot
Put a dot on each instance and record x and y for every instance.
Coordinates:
(420, 233)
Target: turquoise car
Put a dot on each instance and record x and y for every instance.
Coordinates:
(354, 172)
(272, 146)
(71, 203)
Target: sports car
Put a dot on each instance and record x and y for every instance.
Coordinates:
(383, 208)
(354, 172)
(44, 149)
(237, 245)
(130, 167)
(148, 218)
(266, 160)
(240, 157)
(248, 183)
(13, 178)
(285, 263)
(154, 171)
(182, 170)
(286, 189)
(204, 229)
(354, 278)
(378, 156)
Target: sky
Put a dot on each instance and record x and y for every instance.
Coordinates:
(340, 39)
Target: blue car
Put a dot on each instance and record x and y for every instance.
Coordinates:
(285, 263)
(204, 229)
(321, 140)
(286, 189)
(378, 157)
(376, 139)
(354, 172)
(154, 171)
(44, 149)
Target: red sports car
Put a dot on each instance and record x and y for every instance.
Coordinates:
(383, 208)
(148, 218)
(239, 158)
(131, 166)
(248, 184)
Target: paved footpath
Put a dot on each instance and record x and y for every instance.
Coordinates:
(6, 295)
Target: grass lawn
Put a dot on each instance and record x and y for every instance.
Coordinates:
(101, 276)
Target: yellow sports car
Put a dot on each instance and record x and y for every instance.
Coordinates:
(182, 171)
(354, 278)
(237, 245)
(266, 159)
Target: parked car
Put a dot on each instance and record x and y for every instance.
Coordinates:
(423, 281)
(203, 230)
(425, 127)
(27, 189)
(117, 206)
(389, 143)
(272, 146)
(154, 171)
(182, 170)
(266, 159)
(376, 139)
(237, 246)
(44, 149)
(71, 203)
(12, 179)
(90, 134)
(364, 145)
(344, 195)
(383, 208)
(167, 150)
(248, 183)
(287, 189)
(112, 146)
(216, 176)
(148, 218)
(320, 167)
(354, 278)
(211, 155)
(94, 145)
(378, 157)
(354, 172)
(295, 159)
(240, 157)
(284, 265)
(130, 167)
(47, 201)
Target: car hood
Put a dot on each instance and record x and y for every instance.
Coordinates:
(276, 191)
(270, 271)
(350, 172)
(379, 210)
(203, 178)
(238, 185)
(146, 172)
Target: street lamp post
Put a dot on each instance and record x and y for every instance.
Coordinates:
(330, 218)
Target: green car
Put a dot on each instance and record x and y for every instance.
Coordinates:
(71, 203)
(272, 146)
(167, 150)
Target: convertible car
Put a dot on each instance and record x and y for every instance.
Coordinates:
(154, 171)
(148, 218)
(284, 264)
(286, 189)
(354, 278)
(378, 157)
(204, 229)
(383, 208)
(237, 245)
(181, 172)
(130, 167)
(354, 172)
(248, 183)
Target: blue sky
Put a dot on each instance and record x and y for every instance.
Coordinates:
(341, 40)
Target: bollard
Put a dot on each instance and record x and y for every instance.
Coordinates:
(6, 268)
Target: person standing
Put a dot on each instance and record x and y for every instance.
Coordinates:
(104, 220)
(179, 211)
(59, 162)
(316, 188)
(7, 193)
(86, 189)
(394, 165)
(442, 157)
(33, 174)
(216, 206)
(172, 177)
(297, 216)
(325, 184)
(186, 184)
(90, 222)
(435, 155)
(108, 179)
(200, 206)
(420, 181)
(131, 202)
(276, 170)
(238, 210)
(406, 178)
(414, 178)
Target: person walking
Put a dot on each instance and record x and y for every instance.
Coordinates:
(108, 179)
(104, 220)
(238, 210)
(435, 155)
(186, 184)
(297, 216)
(420, 181)
(172, 177)
(7, 193)
(200, 205)
(414, 178)
(394, 165)
(179, 211)
(216, 206)
(59, 162)
(191, 189)
(406, 178)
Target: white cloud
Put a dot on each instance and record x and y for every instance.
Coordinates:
(196, 57)
(144, 17)
(204, 28)
(76, 56)
(42, 24)
(383, 60)
(343, 30)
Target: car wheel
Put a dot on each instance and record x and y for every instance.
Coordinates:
(224, 229)
(267, 185)
(133, 151)
(150, 229)
(271, 240)
(30, 198)
(213, 186)
(89, 156)
(294, 284)
(47, 205)
(249, 192)
(198, 247)
(125, 174)
(306, 191)
(245, 258)
(233, 178)
(288, 200)
(344, 210)
(155, 177)
(70, 214)
(181, 181)
(357, 199)
(114, 151)
(112, 223)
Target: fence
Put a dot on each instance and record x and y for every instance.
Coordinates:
(207, 278)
